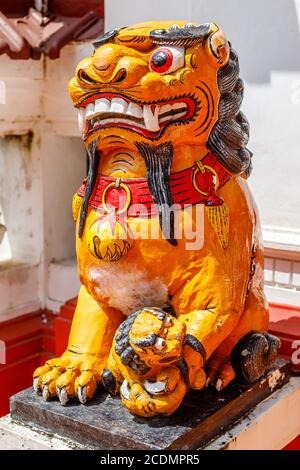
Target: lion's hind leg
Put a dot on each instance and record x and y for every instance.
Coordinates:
(248, 350)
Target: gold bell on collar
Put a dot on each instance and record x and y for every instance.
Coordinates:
(109, 237)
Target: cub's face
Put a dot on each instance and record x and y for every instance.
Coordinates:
(163, 345)
(152, 82)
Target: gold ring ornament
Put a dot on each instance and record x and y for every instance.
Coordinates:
(117, 185)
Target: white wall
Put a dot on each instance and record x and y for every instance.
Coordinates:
(42, 163)
(20, 198)
(266, 35)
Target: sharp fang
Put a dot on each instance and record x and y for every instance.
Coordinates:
(102, 105)
(134, 110)
(118, 105)
(150, 118)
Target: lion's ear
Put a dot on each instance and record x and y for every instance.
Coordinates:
(217, 47)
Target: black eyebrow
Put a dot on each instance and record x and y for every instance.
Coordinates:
(109, 36)
(185, 36)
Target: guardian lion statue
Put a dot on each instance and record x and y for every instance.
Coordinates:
(159, 113)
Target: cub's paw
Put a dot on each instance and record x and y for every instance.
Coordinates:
(69, 376)
(158, 395)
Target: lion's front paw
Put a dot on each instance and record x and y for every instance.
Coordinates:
(159, 395)
(69, 376)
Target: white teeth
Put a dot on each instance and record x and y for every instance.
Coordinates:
(115, 120)
(90, 110)
(102, 105)
(179, 105)
(92, 115)
(150, 118)
(165, 108)
(134, 110)
(172, 117)
(118, 105)
(81, 116)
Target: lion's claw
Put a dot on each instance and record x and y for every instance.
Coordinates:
(62, 395)
(68, 377)
(46, 393)
(82, 395)
(219, 385)
(35, 385)
(219, 375)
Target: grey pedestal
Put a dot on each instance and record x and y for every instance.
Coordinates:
(104, 423)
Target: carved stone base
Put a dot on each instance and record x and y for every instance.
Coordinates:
(105, 424)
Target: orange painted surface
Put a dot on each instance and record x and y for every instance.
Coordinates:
(62, 326)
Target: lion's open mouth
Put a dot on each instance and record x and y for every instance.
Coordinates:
(148, 119)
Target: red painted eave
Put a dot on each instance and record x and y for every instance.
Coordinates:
(33, 34)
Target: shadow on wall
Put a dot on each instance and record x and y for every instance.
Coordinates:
(265, 33)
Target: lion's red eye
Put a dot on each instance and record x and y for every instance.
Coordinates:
(161, 60)
(167, 59)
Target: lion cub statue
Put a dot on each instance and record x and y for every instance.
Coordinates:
(158, 314)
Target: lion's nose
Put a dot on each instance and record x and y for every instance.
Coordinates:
(87, 76)
(112, 65)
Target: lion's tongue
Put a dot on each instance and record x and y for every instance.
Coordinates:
(151, 118)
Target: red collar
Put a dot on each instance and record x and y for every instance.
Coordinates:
(195, 185)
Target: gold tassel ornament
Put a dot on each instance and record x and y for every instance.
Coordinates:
(219, 219)
(76, 206)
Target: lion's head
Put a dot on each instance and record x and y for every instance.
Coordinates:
(160, 82)
(160, 86)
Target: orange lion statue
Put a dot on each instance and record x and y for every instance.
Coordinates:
(169, 246)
